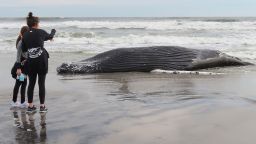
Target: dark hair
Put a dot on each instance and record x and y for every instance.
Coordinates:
(22, 31)
(32, 20)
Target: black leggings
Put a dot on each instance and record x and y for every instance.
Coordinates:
(22, 90)
(31, 86)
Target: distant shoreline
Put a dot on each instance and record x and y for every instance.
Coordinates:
(61, 17)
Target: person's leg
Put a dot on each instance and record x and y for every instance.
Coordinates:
(41, 84)
(31, 86)
(23, 91)
(16, 90)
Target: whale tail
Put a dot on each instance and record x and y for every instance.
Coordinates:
(222, 60)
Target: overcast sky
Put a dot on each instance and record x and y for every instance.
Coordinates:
(127, 8)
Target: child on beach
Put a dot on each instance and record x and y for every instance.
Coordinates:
(19, 72)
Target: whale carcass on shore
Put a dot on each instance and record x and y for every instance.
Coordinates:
(146, 59)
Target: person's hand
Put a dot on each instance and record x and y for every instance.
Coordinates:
(53, 31)
(18, 72)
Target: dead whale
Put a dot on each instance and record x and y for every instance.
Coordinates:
(146, 59)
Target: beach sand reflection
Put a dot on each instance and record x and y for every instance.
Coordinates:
(26, 127)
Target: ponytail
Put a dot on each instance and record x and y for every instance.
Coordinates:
(32, 20)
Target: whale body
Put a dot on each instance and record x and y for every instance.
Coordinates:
(146, 59)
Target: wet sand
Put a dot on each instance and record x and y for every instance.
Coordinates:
(138, 108)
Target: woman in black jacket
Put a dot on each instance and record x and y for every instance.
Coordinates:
(33, 43)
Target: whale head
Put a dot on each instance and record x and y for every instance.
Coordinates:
(77, 67)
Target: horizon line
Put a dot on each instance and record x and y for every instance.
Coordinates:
(134, 17)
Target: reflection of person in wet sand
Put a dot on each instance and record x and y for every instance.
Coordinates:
(43, 135)
(26, 132)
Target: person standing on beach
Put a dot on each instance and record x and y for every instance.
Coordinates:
(19, 72)
(33, 43)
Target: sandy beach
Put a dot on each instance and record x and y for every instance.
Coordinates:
(138, 108)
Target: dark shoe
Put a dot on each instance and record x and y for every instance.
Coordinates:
(43, 109)
(31, 109)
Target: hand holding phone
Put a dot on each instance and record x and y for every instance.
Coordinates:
(53, 31)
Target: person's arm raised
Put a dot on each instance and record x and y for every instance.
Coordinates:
(49, 36)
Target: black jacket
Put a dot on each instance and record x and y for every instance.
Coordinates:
(35, 39)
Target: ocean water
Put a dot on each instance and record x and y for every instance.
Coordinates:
(136, 107)
(235, 36)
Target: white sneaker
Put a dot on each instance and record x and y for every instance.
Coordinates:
(24, 105)
(15, 104)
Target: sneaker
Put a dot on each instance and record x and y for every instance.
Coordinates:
(31, 109)
(15, 104)
(43, 109)
(24, 105)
